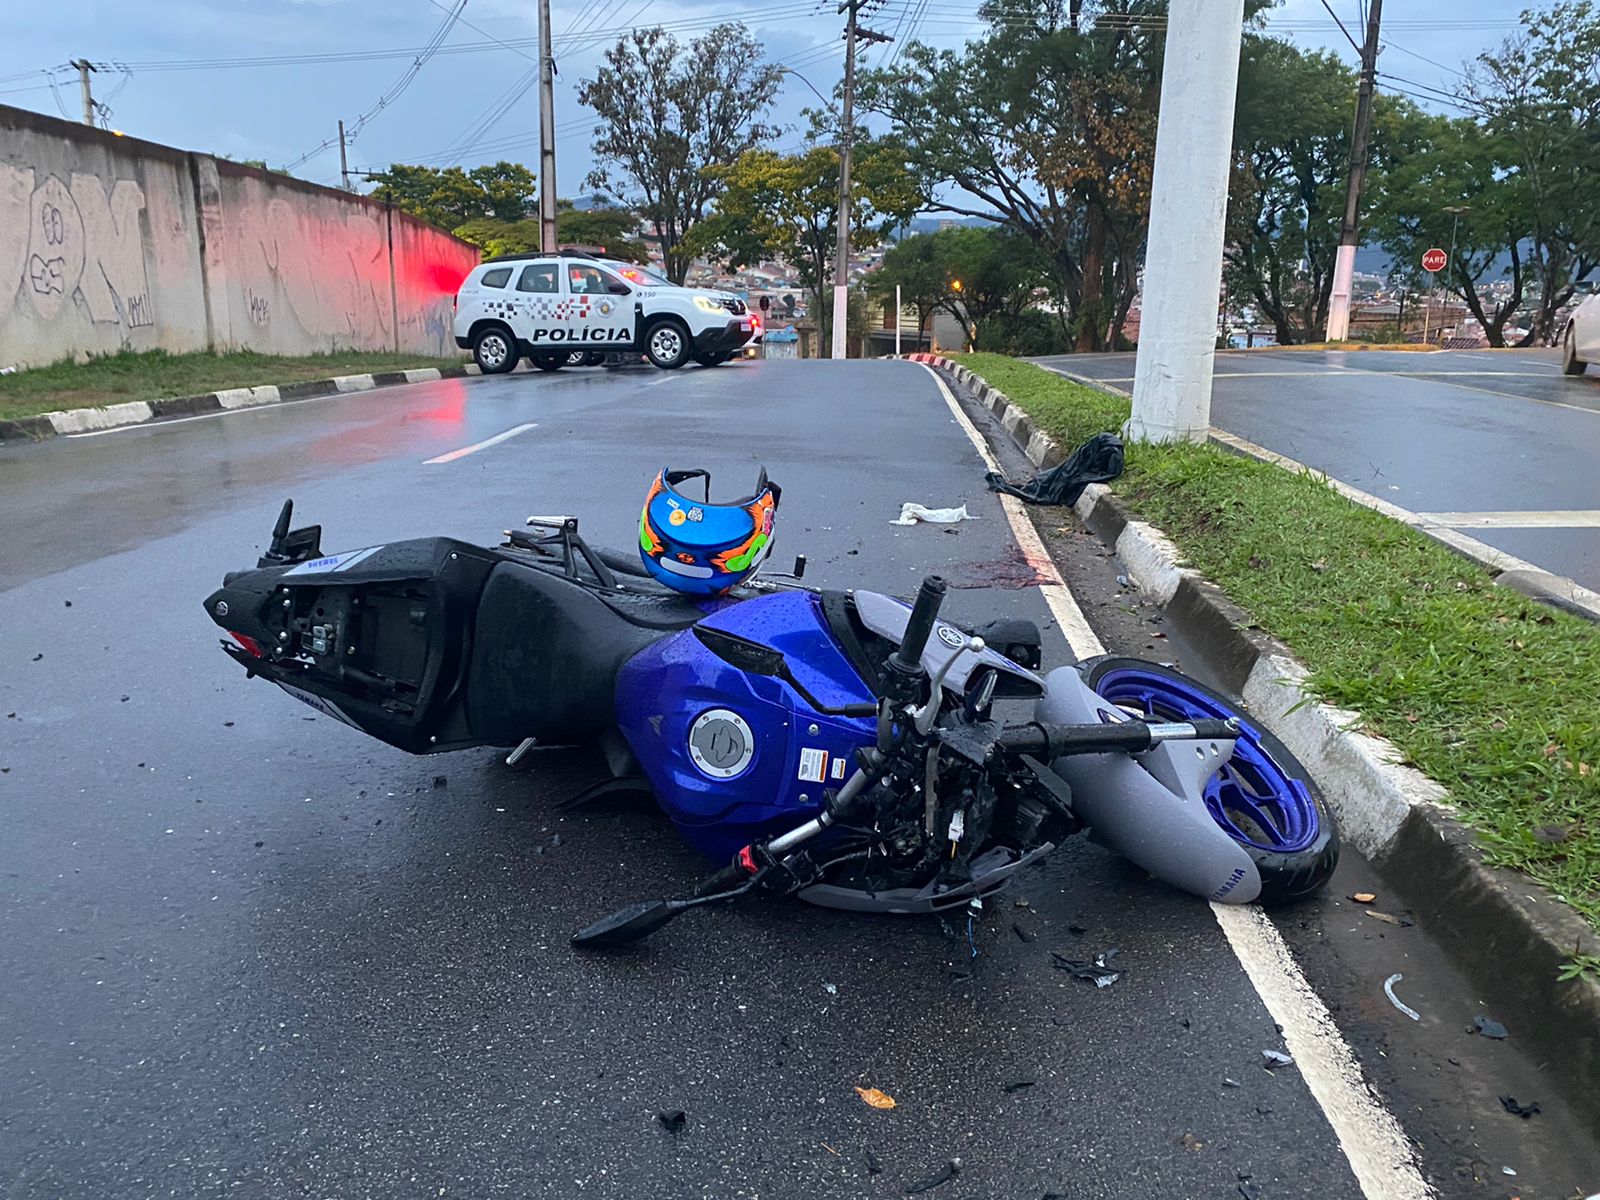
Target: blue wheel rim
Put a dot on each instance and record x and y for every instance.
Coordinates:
(1251, 797)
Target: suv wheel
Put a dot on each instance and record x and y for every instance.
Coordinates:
(666, 344)
(1571, 364)
(495, 350)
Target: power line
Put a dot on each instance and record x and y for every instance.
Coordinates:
(1430, 61)
(1342, 29)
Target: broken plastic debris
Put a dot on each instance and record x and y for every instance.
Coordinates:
(1388, 990)
(831, 988)
(1095, 972)
(1403, 921)
(672, 1118)
(1277, 1058)
(1016, 1085)
(1507, 1171)
(943, 1175)
(1364, 897)
(1189, 1142)
(911, 513)
(1249, 1191)
(1226, 1082)
(1490, 1028)
(1509, 1103)
(875, 1098)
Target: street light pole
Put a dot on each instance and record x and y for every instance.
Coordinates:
(547, 134)
(841, 251)
(1344, 265)
(1188, 200)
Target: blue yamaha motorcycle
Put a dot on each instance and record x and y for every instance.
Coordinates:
(840, 746)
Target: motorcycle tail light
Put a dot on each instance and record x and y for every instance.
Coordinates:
(251, 646)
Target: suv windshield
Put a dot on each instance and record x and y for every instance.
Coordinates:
(634, 273)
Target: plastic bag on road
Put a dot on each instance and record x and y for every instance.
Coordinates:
(1099, 460)
(911, 513)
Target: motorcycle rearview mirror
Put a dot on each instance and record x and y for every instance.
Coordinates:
(629, 924)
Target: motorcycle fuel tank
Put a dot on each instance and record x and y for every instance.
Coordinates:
(732, 755)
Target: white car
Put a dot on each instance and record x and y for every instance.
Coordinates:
(559, 309)
(1580, 344)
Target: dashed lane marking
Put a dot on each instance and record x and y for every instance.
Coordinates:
(1371, 1138)
(483, 445)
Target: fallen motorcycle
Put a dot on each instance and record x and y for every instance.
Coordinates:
(840, 746)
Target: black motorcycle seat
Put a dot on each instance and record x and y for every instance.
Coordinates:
(546, 650)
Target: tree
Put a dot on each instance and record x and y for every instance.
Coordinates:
(669, 112)
(448, 197)
(1446, 162)
(978, 275)
(1540, 91)
(776, 206)
(1286, 198)
(1047, 125)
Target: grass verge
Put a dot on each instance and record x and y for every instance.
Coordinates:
(1495, 696)
(155, 374)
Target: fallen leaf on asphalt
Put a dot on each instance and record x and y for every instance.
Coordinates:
(1364, 897)
(875, 1098)
(1189, 1142)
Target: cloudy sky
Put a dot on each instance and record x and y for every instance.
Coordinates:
(230, 76)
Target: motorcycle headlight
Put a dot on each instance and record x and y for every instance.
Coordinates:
(706, 304)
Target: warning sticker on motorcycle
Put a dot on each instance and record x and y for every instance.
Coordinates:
(838, 767)
(813, 765)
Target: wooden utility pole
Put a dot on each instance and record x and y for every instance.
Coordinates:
(1344, 266)
(84, 67)
(547, 134)
(841, 253)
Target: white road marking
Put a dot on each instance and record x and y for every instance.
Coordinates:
(1373, 1142)
(483, 445)
(1074, 625)
(1554, 518)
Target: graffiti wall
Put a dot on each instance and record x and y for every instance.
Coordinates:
(108, 243)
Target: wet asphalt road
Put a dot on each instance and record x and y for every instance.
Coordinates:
(1501, 441)
(246, 952)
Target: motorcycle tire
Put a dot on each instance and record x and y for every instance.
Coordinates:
(1263, 798)
(548, 362)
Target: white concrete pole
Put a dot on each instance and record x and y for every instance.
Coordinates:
(1189, 199)
(547, 134)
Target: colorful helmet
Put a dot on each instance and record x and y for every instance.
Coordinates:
(703, 548)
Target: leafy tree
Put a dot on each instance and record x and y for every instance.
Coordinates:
(1540, 91)
(1047, 125)
(1447, 162)
(977, 275)
(669, 113)
(776, 206)
(449, 196)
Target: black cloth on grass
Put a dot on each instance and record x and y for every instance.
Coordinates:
(1099, 460)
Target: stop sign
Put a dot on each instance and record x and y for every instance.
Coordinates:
(1434, 260)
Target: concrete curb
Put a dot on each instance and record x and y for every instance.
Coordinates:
(1511, 936)
(138, 412)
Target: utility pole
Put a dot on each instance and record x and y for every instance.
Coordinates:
(84, 67)
(547, 134)
(1188, 200)
(841, 254)
(344, 163)
(1344, 266)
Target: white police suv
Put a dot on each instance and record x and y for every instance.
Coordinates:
(568, 308)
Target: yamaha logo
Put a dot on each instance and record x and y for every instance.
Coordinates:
(952, 637)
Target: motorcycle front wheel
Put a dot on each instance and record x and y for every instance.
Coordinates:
(1262, 798)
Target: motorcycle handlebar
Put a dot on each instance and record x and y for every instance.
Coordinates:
(908, 657)
(1125, 737)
